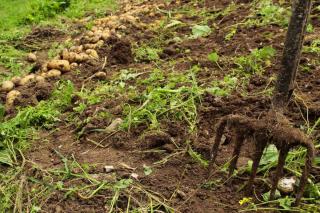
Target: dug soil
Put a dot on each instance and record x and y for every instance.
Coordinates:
(176, 178)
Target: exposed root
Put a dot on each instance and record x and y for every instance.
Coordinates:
(272, 129)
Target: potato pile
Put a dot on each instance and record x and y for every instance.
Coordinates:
(83, 51)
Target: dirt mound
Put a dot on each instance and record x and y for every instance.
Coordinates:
(117, 51)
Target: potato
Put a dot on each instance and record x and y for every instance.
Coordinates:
(62, 65)
(76, 49)
(82, 57)
(11, 97)
(27, 79)
(92, 53)
(90, 46)
(7, 86)
(74, 65)
(53, 73)
(44, 67)
(106, 34)
(65, 54)
(40, 79)
(94, 39)
(99, 44)
(94, 29)
(122, 27)
(100, 75)
(16, 80)
(31, 57)
(90, 33)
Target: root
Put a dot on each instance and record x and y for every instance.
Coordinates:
(275, 129)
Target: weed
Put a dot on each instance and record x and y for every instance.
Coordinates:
(255, 62)
(267, 13)
(313, 48)
(224, 87)
(171, 100)
(147, 53)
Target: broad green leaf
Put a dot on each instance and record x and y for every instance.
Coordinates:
(147, 170)
(5, 158)
(213, 57)
(123, 183)
(200, 31)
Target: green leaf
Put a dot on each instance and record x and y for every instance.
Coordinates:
(270, 155)
(147, 170)
(197, 157)
(200, 31)
(2, 111)
(5, 157)
(123, 183)
(213, 57)
(285, 203)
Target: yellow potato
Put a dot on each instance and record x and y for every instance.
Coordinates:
(92, 53)
(62, 65)
(27, 79)
(65, 54)
(44, 67)
(16, 80)
(90, 46)
(82, 57)
(11, 97)
(73, 65)
(40, 79)
(100, 75)
(7, 86)
(31, 57)
(53, 73)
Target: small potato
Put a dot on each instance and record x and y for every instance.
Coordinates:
(106, 34)
(122, 27)
(74, 65)
(94, 39)
(62, 65)
(100, 75)
(65, 54)
(92, 53)
(100, 43)
(7, 86)
(44, 67)
(40, 79)
(53, 73)
(76, 49)
(16, 80)
(90, 46)
(90, 33)
(11, 97)
(82, 57)
(31, 57)
(27, 79)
